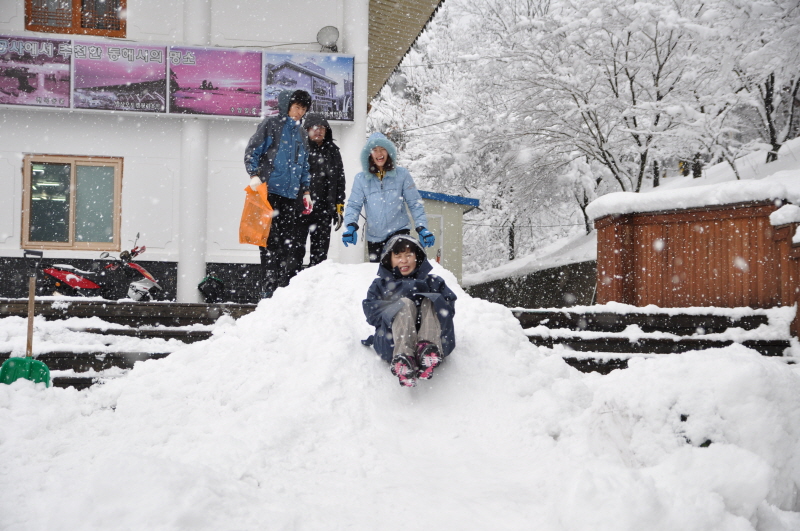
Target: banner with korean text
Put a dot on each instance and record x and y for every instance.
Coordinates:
(119, 77)
(112, 75)
(34, 71)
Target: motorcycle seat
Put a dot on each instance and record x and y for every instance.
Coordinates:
(75, 269)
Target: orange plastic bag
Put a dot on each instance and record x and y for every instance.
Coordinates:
(256, 217)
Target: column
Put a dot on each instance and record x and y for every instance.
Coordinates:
(355, 41)
(192, 228)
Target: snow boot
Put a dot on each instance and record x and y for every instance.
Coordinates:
(428, 358)
(405, 369)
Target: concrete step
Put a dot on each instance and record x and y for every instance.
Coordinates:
(766, 347)
(136, 314)
(679, 324)
(181, 334)
(91, 361)
(78, 382)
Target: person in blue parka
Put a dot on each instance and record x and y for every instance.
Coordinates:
(412, 311)
(277, 154)
(383, 190)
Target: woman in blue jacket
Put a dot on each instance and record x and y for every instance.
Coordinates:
(383, 190)
(412, 311)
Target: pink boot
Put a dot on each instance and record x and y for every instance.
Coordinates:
(405, 369)
(428, 358)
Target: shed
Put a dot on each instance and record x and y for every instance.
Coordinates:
(444, 214)
(729, 254)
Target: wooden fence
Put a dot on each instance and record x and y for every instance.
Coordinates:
(728, 256)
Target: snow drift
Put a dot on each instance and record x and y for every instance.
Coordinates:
(283, 420)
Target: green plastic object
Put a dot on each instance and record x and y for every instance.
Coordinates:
(28, 368)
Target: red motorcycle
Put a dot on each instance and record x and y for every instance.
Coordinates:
(120, 278)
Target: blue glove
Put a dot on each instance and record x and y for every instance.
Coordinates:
(350, 235)
(426, 237)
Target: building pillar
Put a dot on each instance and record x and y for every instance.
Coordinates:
(193, 209)
(192, 228)
(355, 41)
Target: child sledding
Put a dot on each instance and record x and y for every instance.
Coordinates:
(412, 312)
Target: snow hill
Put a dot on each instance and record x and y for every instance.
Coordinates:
(284, 421)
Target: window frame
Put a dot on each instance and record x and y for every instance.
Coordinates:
(74, 161)
(75, 27)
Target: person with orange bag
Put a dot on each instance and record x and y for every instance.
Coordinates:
(277, 154)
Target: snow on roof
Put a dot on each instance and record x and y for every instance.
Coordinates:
(779, 180)
(785, 214)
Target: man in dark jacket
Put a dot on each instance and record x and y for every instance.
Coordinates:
(327, 189)
(412, 311)
(277, 154)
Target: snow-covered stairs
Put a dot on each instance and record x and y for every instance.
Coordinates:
(104, 352)
(604, 338)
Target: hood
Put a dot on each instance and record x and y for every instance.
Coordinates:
(283, 102)
(375, 140)
(312, 119)
(422, 259)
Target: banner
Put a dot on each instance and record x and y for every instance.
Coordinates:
(215, 81)
(328, 78)
(111, 75)
(34, 71)
(120, 77)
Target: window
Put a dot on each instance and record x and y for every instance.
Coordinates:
(83, 17)
(71, 202)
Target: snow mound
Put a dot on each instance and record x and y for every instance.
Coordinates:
(283, 420)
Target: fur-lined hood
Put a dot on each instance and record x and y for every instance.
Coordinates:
(376, 140)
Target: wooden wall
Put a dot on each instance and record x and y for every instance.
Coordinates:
(727, 256)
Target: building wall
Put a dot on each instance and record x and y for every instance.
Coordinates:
(241, 23)
(154, 147)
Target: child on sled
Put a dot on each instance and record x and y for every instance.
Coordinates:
(412, 312)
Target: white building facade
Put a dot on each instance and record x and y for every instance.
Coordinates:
(179, 178)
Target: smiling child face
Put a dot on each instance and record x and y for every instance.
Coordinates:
(406, 261)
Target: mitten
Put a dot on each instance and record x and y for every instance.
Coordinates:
(426, 237)
(255, 182)
(350, 235)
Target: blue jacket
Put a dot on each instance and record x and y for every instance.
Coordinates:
(383, 300)
(384, 200)
(278, 152)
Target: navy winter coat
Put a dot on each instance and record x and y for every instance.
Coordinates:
(383, 300)
(278, 152)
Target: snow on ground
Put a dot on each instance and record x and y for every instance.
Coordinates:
(284, 421)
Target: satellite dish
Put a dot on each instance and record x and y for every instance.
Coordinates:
(327, 38)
